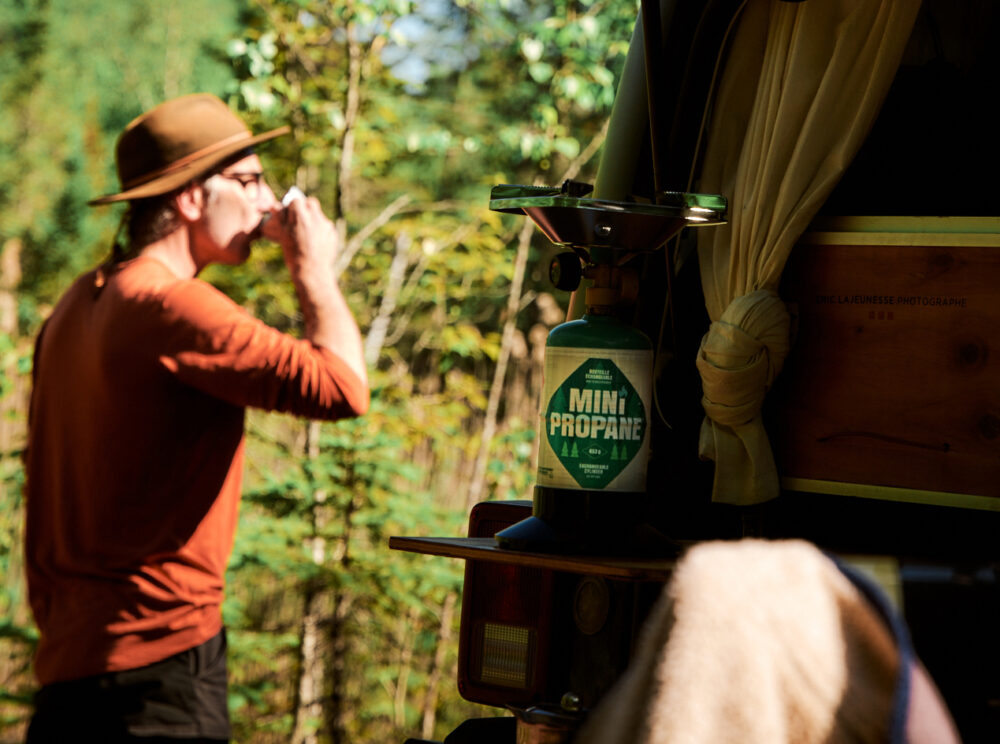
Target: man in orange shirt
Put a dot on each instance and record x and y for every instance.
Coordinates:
(141, 379)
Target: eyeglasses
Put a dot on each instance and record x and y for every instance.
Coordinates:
(250, 181)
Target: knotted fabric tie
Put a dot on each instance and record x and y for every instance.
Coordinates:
(739, 358)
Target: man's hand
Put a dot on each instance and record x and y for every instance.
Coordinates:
(310, 244)
(307, 237)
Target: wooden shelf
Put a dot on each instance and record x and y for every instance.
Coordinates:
(486, 549)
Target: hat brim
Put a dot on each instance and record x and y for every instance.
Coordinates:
(175, 179)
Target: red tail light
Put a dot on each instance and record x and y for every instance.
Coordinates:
(506, 618)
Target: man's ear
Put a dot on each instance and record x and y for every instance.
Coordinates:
(191, 202)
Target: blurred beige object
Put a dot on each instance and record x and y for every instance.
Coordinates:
(764, 642)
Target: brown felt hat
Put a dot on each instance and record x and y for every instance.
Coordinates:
(176, 142)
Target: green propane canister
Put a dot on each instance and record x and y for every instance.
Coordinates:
(594, 438)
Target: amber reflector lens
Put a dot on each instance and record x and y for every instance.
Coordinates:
(507, 653)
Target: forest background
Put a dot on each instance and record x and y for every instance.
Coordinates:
(404, 114)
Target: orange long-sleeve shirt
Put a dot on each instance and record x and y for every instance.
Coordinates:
(135, 456)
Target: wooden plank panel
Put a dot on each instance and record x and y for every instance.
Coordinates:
(894, 375)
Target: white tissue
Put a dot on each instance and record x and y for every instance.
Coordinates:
(293, 193)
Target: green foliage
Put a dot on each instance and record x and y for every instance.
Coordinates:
(17, 635)
(404, 114)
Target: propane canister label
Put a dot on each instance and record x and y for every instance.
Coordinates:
(594, 417)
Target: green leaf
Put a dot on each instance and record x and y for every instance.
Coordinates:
(566, 146)
(541, 72)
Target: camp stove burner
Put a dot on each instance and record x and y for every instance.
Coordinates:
(569, 219)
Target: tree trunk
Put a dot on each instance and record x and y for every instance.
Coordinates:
(352, 110)
(380, 325)
(478, 484)
(10, 277)
(336, 710)
(440, 654)
(11, 426)
(407, 641)
(310, 689)
(309, 707)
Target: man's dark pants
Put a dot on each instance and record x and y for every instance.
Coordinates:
(180, 698)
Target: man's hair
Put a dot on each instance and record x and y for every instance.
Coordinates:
(146, 221)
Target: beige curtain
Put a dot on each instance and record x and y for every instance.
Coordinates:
(800, 90)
